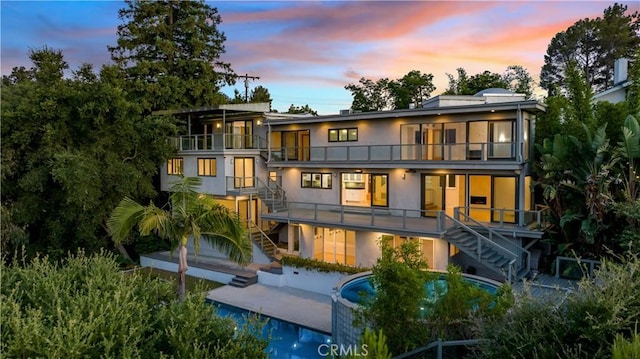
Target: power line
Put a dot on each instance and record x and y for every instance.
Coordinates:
(246, 84)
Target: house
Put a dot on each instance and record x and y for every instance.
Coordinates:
(452, 175)
(618, 92)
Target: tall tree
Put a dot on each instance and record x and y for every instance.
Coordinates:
(71, 149)
(171, 53)
(191, 215)
(594, 44)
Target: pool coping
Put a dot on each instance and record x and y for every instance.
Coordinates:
(300, 307)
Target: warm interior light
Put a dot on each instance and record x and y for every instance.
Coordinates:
(259, 122)
(501, 138)
(218, 125)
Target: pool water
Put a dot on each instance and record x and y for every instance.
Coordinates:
(288, 340)
(355, 290)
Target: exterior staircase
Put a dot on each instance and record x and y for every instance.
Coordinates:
(272, 195)
(496, 252)
(244, 280)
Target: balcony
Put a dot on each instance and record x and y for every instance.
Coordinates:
(416, 152)
(218, 141)
(406, 221)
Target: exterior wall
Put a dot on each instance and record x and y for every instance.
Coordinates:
(615, 96)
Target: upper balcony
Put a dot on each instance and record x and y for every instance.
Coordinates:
(218, 142)
(393, 154)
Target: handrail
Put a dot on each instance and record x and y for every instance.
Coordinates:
(439, 344)
(469, 151)
(263, 236)
(218, 141)
(491, 242)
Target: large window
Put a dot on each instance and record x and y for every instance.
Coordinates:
(316, 180)
(207, 167)
(244, 171)
(175, 166)
(343, 134)
(334, 245)
(501, 139)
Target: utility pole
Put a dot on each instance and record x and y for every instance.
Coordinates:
(246, 84)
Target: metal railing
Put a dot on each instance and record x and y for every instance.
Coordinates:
(264, 238)
(491, 240)
(576, 267)
(506, 218)
(481, 151)
(218, 141)
(438, 346)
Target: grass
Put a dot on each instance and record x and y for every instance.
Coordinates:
(192, 283)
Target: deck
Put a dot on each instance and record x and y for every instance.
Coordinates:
(397, 221)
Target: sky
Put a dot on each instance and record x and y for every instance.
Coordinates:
(306, 52)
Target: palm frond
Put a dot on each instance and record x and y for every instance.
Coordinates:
(156, 220)
(123, 218)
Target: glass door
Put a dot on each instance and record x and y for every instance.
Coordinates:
(433, 195)
(379, 192)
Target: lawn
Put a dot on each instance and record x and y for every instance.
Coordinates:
(191, 282)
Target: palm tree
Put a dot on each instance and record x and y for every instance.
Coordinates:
(191, 214)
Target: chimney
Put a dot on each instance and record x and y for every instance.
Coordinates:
(620, 71)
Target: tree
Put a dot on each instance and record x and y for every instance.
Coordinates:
(71, 149)
(384, 94)
(260, 94)
(301, 110)
(171, 52)
(411, 90)
(515, 78)
(191, 215)
(594, 44)
(369, 95)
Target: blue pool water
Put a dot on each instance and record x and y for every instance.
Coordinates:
(354, 290)
(288, 340)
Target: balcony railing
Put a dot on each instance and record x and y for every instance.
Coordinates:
(218, 141)
(504, 218)
(416, 152)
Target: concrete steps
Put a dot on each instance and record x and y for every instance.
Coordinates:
(243, 280)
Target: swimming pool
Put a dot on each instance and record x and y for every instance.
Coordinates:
(288, 340)
(355, 289)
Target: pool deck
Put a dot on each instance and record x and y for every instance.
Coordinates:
(309, 309)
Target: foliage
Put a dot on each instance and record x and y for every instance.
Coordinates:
(399, 277)
(585, 325)
(413, 306)
(320, 266)
(71, 149)
(170, 51)
(375, 344)
(85, 308)
(260, 94)
(301, 110)
(191, 215)
(384, 94)
(594, 44)
(515, 78)
(626, 349)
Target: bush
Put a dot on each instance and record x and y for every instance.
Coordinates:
(585, 325)
(86, 308)
(320, 266)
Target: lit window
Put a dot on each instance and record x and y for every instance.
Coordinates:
(175, 166)
(316, 180)
(207, 167)
(343, 134)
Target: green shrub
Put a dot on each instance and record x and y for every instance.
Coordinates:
(86, 308)
(626, 349)
(585, 325)
(320, 266)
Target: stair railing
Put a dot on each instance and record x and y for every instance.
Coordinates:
(522, 253)
(511, 271)
(264, 238)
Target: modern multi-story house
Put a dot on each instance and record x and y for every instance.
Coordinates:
(452, 175)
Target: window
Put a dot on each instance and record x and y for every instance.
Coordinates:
(343, 134)
(316, 180)
(207, 167)
(244, 172)
(175, 166)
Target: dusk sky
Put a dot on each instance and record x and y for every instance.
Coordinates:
(306, 52)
